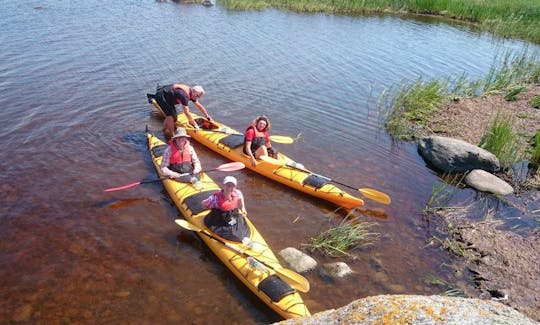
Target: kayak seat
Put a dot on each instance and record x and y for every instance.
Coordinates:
(275, 288)
(317, 181)
(233, 141)
(194, 202)
(158, 150)
(205, 124)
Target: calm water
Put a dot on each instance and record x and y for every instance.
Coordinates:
(73, 79)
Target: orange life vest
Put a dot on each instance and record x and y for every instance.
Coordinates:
(227, 205)
(177, 156)
(184, 88)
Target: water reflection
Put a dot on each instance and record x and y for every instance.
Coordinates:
(74, 76)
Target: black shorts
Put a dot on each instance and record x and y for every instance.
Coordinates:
(165, 99)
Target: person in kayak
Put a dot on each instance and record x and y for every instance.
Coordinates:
(257, 141)
(180, 158)
(170, 95)
(226, 217)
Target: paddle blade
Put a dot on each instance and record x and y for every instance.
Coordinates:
(281, 139)
(122, 187)
(187, 225)
(375, 195)
(294, 279)
(229, 167)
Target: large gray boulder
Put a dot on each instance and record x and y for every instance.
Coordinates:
(456, 156)
(416, 310)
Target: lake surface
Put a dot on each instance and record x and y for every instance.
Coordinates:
(74, 77)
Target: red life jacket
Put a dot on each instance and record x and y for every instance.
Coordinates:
(177, 156)
(184, 88)
(227, 205)
(259, 139)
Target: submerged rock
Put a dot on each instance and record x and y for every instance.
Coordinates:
(297, 260)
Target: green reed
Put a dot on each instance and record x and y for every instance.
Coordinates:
(337, 241)
(412, 106)
(535, 154)
(506, 18)
(513, 69)
(408, 107)
(501, 140)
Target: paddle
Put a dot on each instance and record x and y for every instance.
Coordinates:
(367, 192)
(296, 281)
(229, 167)
(275, 138)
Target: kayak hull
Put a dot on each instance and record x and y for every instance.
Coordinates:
(267, 286)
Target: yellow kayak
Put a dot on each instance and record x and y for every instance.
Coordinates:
(229, 143)
(252, 262)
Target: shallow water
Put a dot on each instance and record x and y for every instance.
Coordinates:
(73, 78)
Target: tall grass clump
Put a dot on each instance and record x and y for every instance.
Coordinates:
(501, 140)
(513, 69)
(337, 241)
(442, 193)
(535, 154)
(412, 106)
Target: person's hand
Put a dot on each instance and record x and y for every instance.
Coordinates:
(253, 162)
(208, 117)
(177, 175)
(196, 127)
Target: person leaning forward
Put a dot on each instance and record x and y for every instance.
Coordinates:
(180, 158)
(170, 95)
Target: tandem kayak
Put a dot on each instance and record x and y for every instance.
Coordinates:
(251, 261)
(229, 143)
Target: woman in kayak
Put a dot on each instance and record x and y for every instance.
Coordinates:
(180, 158)
(257, 141)
(226, 217)
(170, 95)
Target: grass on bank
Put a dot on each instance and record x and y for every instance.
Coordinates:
(410, 107)
(502, 141)
(535, 154)
(506, 18)
(337, 241)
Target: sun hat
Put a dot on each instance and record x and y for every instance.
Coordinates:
(180, 132)
(229, 179)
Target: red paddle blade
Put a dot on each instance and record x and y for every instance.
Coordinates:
(122, 187)
(229, 167)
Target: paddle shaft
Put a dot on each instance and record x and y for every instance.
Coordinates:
(298, 282)
(225, 167)
(275, 138)
(367, 192)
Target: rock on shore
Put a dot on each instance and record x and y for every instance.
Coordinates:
(413, 309)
